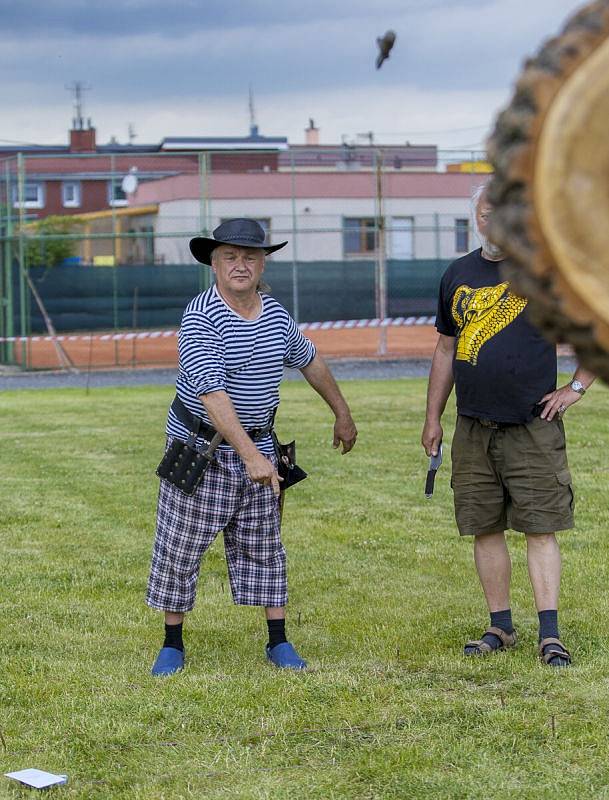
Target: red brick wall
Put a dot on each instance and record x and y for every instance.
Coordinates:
(243, 162)
(82, 141)
(93, 196)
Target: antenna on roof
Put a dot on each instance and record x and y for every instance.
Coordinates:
(253, 126)
(368, 135)
(77, 88)
(131, 133)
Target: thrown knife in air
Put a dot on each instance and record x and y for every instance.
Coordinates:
(384, 44)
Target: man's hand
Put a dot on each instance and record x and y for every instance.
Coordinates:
(558, 401)
(320, 378)
(261, 470)
(345, 432)
(431, 438)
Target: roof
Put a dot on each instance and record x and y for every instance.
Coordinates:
(97, 166)
(357, 156)
(282, 185)
(132, 211)
(64, 149)
(247, 143)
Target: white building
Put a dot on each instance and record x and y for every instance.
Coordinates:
(325, 215)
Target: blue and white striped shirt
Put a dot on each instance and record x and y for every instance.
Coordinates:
(221, 351)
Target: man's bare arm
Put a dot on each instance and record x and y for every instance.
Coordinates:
(321, 379)
(224, 418)
(560, 399)
(438, 391)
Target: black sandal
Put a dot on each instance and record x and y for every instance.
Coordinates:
(548, 655)
(482, 648)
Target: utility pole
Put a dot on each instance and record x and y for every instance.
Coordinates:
(253, 125)
(381, 262)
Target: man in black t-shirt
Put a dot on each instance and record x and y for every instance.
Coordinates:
(509, 464)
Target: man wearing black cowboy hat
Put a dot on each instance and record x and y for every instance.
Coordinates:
(234, 342)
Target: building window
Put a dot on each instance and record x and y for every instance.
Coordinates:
(148, 232)
(116, 196)
(402, 237)
(359, 235)
(33, 195)
(70, 194)
(462, 235)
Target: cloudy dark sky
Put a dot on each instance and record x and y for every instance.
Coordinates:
(183, 68)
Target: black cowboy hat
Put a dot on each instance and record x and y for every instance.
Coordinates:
(239, 232)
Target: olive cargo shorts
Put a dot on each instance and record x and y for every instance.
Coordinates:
(512, 477)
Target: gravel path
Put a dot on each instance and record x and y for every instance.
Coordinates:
(343, 369)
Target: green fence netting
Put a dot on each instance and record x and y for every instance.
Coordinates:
(79, 298)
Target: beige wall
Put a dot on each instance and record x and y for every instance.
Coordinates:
(319, 223)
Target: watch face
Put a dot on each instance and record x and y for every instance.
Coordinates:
(577, 386)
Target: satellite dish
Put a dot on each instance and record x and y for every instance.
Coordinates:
(129, 182)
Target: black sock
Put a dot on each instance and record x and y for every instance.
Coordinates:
(499, 619)
(503, 620)
(173, 637)
(276, 631)
(548, 624)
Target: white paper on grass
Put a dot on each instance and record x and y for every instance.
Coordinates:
(37, 778)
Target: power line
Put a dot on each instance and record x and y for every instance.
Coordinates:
(429, 133)
(16, 141)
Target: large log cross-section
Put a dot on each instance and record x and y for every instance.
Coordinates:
(550, 151)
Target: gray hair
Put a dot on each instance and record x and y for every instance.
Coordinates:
(477, 193)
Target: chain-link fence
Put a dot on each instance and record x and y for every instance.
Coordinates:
(99, 242)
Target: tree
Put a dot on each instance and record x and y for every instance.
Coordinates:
(48, 242)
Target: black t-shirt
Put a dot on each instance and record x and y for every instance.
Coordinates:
(502, 364)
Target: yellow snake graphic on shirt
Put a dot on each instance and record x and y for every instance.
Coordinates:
(480, 314)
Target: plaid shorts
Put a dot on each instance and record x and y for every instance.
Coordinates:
(248, 513)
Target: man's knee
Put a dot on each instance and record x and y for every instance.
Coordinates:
(541, 541)
(489, 541)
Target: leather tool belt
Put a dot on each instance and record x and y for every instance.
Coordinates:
(184, 463)
(287, 468)
(205, 431)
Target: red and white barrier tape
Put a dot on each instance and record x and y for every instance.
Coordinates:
(341, 324)
(85, 337)
(347, 324)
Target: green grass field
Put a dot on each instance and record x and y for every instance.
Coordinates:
(384, 589)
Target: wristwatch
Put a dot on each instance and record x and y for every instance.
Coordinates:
(578, 387)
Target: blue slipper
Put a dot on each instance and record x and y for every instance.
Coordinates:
(285, 656)
(168, 661)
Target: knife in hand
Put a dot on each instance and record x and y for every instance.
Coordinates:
(434, 465)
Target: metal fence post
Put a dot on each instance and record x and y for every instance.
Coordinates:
(204, 221)
(436, 217)
(202, 190)
(295, 298)
(381, 311)
(115, 318)
(21, 258)
(8, 271)
(2, 296)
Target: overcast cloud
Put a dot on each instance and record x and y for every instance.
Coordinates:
(183, 68)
